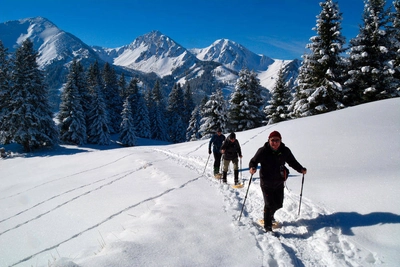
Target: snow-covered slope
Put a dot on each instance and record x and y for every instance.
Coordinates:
(158, 205)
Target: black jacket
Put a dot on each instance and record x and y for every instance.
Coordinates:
(232, 149)
(216, 141)
(271, 162)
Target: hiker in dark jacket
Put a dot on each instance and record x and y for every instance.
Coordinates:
(231, 151)
(216, 142)
(273, 173)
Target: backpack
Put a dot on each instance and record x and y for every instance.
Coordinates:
(284, 172)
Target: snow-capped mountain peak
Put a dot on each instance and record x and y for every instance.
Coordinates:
(233, 56)
(152, 52)
(51, 43)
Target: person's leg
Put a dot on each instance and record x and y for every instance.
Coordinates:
(277, 203)
(267, 208)
(217, 162)
(236, 170)
(225, 172)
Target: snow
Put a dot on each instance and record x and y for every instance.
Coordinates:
(151, 205)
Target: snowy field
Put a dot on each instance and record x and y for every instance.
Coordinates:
(151, 205)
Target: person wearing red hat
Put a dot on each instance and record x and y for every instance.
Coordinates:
(273, 174)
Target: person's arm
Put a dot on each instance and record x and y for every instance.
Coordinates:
(254, 161)
(209, 144)
(291, 160)
(239, 149)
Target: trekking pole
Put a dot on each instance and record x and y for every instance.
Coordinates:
(301, 193)
(251, 178)
(241, 171)
(206, 164)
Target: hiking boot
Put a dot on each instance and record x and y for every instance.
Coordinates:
(224, 177)
(268, 229)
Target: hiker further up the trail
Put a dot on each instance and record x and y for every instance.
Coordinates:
(273, 174)
(231, 151)
(216, 142)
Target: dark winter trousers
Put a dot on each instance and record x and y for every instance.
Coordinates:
(273, 200)
(217, 161)
(235, 170)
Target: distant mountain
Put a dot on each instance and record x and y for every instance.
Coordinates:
(51, 43)
(149, 57)
(234, 56)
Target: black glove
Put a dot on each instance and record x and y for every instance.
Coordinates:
(209, 151)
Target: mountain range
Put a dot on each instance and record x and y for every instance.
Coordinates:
(150, 57)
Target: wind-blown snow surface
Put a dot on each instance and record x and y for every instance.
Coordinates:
(152, 206)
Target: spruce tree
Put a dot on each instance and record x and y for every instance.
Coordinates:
(122, 87)
(71, 115)
(5, 87)
(321, 78)
(277, 110)
(214, 115)
(193, 130)
(371, 69)
(98, 131)
(395, 46)
(127, 134)
(30, 120)
(188, 104)
(175, 108)
(246, 102)
(157, 110)
(112, 97)
(140, 113)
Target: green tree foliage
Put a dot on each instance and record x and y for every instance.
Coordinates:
(246, 103)
(175, 113)
(320, 80)
(112, 97)
(277, 110)
(98, 130)
(214, 115)
(371, 63)
(71, 115)
(29, 119)
(127, 134)
(5, 87)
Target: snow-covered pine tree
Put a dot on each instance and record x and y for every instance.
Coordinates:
(321, 78)
(30, 121)
(277, 110)
(5, 87)
(122, 86)
(140, 113)
(214, 114)
(188, 104)
(246, 103)
(112, 97)
(193, 130)
(370, 70)
(127, 133)
(395, 45)
(81, 83)
(98, 131)
(156, 106)
(175, 108)
(71, 116)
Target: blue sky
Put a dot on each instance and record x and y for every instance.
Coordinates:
(278, 29)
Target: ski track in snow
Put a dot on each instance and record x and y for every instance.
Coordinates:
(298, 245)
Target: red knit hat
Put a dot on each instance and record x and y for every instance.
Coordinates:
(275, 134)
